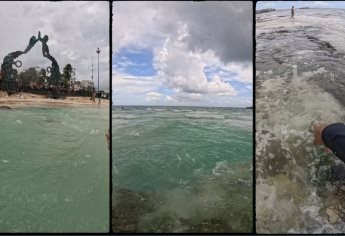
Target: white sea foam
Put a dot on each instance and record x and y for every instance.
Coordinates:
(94, 132)
(204, 115)
(287, 117)
(134, 133)
(123, 116)
(222, 167)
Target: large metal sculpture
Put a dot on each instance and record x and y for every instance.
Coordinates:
(9, 73)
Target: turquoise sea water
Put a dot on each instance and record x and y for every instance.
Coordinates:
(54, 170)
(182, 169)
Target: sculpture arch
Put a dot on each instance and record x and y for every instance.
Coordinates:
(9, 73)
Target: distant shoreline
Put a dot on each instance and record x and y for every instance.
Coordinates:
(32, 100)
(299, 8)
(249, 108)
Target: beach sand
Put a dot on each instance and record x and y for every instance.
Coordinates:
(29, 99)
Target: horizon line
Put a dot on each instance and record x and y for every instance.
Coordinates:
(175, 106)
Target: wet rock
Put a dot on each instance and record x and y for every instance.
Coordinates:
(282, 31)
(129, 228)
(5, 108)
(128, 206)
(147, 212)
(323, 44)
(275, 165)
(337, 173)
(327, 45)
(264, 131)
(211, 225)
(333, 215)
(311, 38)
(342, 188)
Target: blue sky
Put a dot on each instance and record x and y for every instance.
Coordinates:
(135, 62)
(178, 53)
(298, 4)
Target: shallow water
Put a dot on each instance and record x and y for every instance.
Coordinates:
(182, 169)
(299, 78)
(54, 170)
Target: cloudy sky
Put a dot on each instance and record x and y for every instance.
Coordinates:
(182, 53)
(298, 4)
(75, 30)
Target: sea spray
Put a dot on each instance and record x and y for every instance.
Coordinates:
(300, 71)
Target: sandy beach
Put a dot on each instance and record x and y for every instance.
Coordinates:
(29, 99)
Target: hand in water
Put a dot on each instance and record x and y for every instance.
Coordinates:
(318, 128)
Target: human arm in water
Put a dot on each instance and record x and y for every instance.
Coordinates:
(332, 136)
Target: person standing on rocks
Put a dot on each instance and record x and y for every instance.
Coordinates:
(292, 12)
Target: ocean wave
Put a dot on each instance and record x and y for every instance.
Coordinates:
(134, 133)
(123, 116)
(222, 167)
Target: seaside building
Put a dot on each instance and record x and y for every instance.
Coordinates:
(87, 84)
(76, 86)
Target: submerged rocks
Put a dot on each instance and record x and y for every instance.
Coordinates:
(282, 31)
(179, 212)
(333, 215)
(128, 206)
(335, 203)
(323, 44)
(337, 173)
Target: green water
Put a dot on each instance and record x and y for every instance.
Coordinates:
(54, 170)
(182, 169)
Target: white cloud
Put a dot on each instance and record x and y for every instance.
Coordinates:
(125, 84)
(263, 5)
(168, 98)
(217, 86)
(322, 4)
(244, 71)
(145, 24)
(182, 70)
(154, 96)
(185, 37)
(195, 97)
(249, 87)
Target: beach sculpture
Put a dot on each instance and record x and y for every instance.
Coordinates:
(9, 73)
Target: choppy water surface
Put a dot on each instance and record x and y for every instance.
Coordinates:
(54, 170)
(300, 78)
(181, 169)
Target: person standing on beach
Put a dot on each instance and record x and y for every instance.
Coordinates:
(93, 98)
(292, 12)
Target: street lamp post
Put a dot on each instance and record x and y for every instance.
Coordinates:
(92, 89)
(99, 98)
